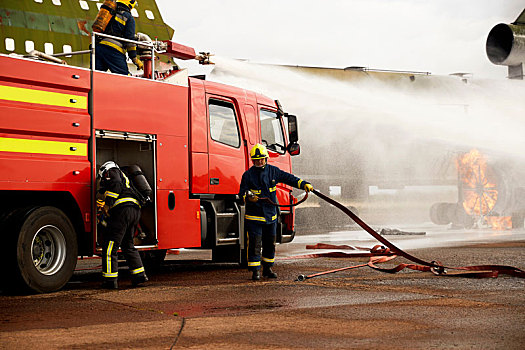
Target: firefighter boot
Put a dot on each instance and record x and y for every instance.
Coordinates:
(256, 275)
(139, 280)
(109, 283)
(267, 272)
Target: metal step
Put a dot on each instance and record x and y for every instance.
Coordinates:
(226, 215)
(227, 240)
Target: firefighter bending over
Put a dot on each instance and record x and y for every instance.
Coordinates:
(110, 53)
(122, 211)
(260, 221)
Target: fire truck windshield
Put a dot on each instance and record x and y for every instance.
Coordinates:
(272, 131)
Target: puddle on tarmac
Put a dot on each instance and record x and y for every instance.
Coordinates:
(199, 310)
(295, 300)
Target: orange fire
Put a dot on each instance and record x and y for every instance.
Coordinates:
(499, 222)
(479, 188)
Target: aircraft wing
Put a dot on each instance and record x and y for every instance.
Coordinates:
(521, 19)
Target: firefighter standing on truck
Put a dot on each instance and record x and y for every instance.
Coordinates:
(110, 53)
(122, 210)
(260, 220)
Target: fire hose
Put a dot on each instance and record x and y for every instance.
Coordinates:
(389, 251)
(269, 201)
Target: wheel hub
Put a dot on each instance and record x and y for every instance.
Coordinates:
(48, 250)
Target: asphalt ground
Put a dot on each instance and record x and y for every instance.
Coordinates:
(199, 305)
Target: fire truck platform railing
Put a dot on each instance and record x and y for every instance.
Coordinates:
(151, 45)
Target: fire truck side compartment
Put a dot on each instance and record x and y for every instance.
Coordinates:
(129, 152)
(45, 108)
(143, 106)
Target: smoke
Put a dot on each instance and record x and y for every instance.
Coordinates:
(369, 131)
(391, 133)
(368, 114)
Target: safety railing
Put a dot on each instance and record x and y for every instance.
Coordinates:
(151, 45)
(56, 57)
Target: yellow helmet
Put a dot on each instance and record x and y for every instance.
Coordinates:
(258, 152)
(129, 3)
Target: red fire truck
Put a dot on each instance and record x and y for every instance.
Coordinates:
(191, 139)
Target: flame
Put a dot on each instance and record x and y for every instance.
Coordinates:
(479, 190)
(499, 222)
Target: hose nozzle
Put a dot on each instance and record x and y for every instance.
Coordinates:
(204, 58)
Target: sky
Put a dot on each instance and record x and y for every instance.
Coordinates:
(436, 36)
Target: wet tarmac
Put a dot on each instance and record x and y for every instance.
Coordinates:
(195, 304)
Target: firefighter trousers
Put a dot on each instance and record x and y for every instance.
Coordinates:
(122, 224)
(109, 58)
(260, 235)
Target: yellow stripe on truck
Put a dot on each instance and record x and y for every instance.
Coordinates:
(17, 94)
(43, 147)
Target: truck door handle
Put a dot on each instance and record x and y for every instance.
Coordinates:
(214, 181)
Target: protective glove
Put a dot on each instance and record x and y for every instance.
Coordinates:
(142, 37)
(137, 62)
(105, 210)
(308, 187)
(100, 204)
(251, 197)
(143, 50)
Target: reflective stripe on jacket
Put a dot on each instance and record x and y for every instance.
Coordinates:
(117, 189)
(122, 25)
(262, 182)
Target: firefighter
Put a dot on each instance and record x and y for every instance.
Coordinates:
(110, 53)
(260, 220)
(122, 212)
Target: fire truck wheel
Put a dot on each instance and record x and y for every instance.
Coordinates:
(244, 258)
(46, 249)
(244, 254)
(153, 259)
(227, 253)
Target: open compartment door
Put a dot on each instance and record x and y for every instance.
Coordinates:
(127, 149)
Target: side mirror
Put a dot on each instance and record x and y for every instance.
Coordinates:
(280, 110)
(293, 133)
(294, 149)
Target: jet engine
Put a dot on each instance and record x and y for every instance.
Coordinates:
(506, 46)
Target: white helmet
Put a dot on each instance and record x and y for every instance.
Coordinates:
(106, 166)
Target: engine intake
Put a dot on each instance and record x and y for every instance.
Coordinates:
(506, 44)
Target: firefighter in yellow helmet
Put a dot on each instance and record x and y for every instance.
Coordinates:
(110, 53)
(260, 220)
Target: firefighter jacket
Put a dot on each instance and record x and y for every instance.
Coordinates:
(117, 189)
(262, 182)
(122, 25)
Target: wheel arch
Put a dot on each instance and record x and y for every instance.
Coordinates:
(61, 200)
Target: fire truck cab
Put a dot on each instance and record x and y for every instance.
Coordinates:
(191, 139)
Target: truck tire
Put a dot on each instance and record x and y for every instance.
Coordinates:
(439, 213)
(226, 254)
(43, 249)
(244, 253)
(153, 259)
